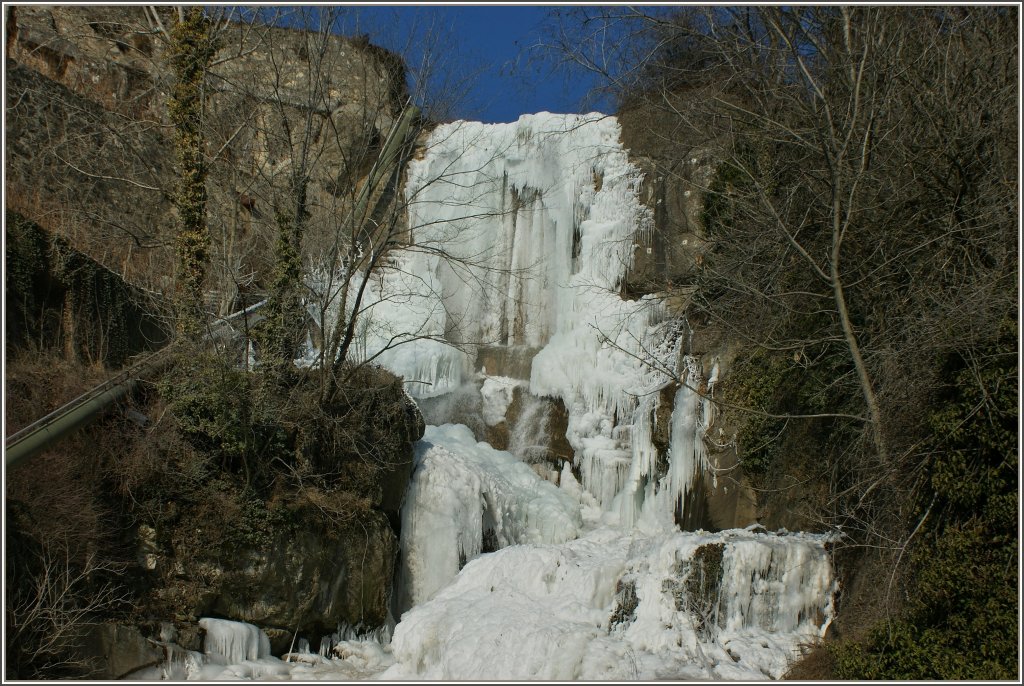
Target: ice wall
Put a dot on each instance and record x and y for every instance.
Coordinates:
(466, 497)
(541, 218)
(527, 210)
(613, 605)
(521, 235)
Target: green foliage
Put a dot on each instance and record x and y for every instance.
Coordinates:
(219, 409)
(192, 49)
(758, 383)
(726, 201)
(768, 386)
(276, 335)
(902, 651)
(717, 210)
(371, 427)
(270, 422)
(25, 257)
(260, 523)
(25, 264)
(963, 611)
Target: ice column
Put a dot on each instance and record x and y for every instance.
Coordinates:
(233, 642)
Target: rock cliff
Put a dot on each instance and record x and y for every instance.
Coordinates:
(89, 151)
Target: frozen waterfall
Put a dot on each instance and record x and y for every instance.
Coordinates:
(521, 236)
(545, 215)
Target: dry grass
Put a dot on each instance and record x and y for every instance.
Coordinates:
(38, 382)
(336, 507)
(816, 664)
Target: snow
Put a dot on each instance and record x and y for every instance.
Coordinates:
(497, 394)
(235, 651)
(570, 597)
(567, 595)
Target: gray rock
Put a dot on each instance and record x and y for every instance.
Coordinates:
(117, 650)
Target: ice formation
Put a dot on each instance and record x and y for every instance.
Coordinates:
(614, 605)
(548, 208)
(233, 641)
(541, 218)
(496, 392)
(231, 651)
(528, 437)
(521, 236)
(401, 323)
(465, 497)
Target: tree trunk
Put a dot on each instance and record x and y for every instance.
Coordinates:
(863, 377)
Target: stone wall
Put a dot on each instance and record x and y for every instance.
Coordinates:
(56, 296)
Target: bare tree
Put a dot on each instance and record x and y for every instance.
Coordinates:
(51, 606)
(833, 128)
(328, 143)
(859, 239)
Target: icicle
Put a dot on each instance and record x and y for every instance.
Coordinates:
(465, 496)
(250, 355)
(688, 456)
(233, 642)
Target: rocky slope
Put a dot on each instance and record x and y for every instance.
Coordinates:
(90, 172)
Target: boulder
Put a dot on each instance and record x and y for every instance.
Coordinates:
(301, 580)
(117, 650)
(311, 581)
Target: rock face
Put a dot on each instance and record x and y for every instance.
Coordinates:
(301, 583)
(309, 555)
(304, 579)
(677, 167)
(90, 155)
(310, 581)
(90, 159)
(117, 650)
(64, 171)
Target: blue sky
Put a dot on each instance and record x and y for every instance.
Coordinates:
(491, 59)
(498, 45)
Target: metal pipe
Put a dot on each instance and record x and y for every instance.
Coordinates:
(385, 160)
(72, 415)
(54, 426)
